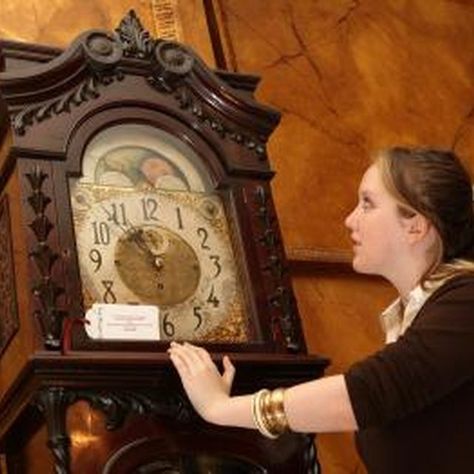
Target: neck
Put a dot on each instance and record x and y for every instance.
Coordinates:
(408, 277)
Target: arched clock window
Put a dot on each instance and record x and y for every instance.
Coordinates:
(151, 230)
(142, 157)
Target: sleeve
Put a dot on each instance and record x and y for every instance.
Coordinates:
(434, 357)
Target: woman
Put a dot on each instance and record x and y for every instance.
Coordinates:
(412, 403)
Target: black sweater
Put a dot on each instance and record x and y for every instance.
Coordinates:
(414, 400)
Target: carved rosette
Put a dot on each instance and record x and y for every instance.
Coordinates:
(8, 303)
(45, 289)
(285, 320)
(102, 52)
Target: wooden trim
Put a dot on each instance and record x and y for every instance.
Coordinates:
(320, 258)
(215, 35)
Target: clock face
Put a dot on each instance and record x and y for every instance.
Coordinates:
(166, 245)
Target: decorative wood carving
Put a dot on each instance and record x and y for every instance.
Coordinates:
(8, 303)
(118, 405)
(281, 298)
(46, 290)
(136, 41)
(102, 52)
(52, 403)
(172, 64)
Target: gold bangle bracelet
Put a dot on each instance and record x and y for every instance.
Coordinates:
(257, 413)
(268, 411)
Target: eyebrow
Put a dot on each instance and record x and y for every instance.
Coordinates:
(366, 194)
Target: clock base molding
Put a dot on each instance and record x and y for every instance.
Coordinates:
(112, 413)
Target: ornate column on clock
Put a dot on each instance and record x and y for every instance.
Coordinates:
(132, 174)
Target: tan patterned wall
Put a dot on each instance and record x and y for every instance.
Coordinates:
(349, 76)
(58, 22)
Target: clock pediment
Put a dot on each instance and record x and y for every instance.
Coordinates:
(103, 70)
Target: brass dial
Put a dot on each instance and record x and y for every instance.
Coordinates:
(159, 266)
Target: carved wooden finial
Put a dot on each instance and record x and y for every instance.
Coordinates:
(135, 39)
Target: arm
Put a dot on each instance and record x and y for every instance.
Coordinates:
(318, 406)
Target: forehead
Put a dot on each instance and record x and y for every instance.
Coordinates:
(372, 181)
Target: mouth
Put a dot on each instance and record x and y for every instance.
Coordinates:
(355, 242)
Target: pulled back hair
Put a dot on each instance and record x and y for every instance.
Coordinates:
(435, 184)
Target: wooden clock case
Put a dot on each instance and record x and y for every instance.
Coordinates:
(72, 405)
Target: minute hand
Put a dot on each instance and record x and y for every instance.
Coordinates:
(137, 237)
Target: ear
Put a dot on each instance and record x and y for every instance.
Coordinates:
(417, 228)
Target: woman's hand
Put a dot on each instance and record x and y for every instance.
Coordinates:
(208, 390)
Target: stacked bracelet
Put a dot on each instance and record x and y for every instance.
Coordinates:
(268, 411)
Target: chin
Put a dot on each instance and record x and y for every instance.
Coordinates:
(359, 266)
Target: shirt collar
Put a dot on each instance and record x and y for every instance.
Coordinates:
(396, 319)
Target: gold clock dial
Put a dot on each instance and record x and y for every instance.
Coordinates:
(169, 249)
(157, 265)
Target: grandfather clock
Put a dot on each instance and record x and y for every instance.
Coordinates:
(134, 177)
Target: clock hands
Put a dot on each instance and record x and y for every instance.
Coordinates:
(138, 237)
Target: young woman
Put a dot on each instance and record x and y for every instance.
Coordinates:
(412, 403)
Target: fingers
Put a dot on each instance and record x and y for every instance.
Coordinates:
(191, 360)
(180, 364)
(200, 353)
(229, 372)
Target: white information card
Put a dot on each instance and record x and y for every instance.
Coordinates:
(123, 322)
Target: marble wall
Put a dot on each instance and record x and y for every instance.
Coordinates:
(350, 76)
(57, 22)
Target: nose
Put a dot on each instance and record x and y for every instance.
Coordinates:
(349, 222)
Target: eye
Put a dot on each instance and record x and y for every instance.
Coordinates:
(366, 203)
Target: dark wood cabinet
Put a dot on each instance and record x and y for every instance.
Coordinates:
(84, 118)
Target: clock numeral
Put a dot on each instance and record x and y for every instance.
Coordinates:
(198, 315)
(96, 258)
(204, 235)
(101, 233)
(212, 298)
(168, 326)
(117, 214)
(109, 296)
(179, 218)
(215, 259)
(150, 209)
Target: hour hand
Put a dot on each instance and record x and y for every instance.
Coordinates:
(139, 238)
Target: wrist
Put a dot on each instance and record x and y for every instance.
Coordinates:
(216, 411)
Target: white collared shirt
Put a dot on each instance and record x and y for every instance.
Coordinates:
(395, 320)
